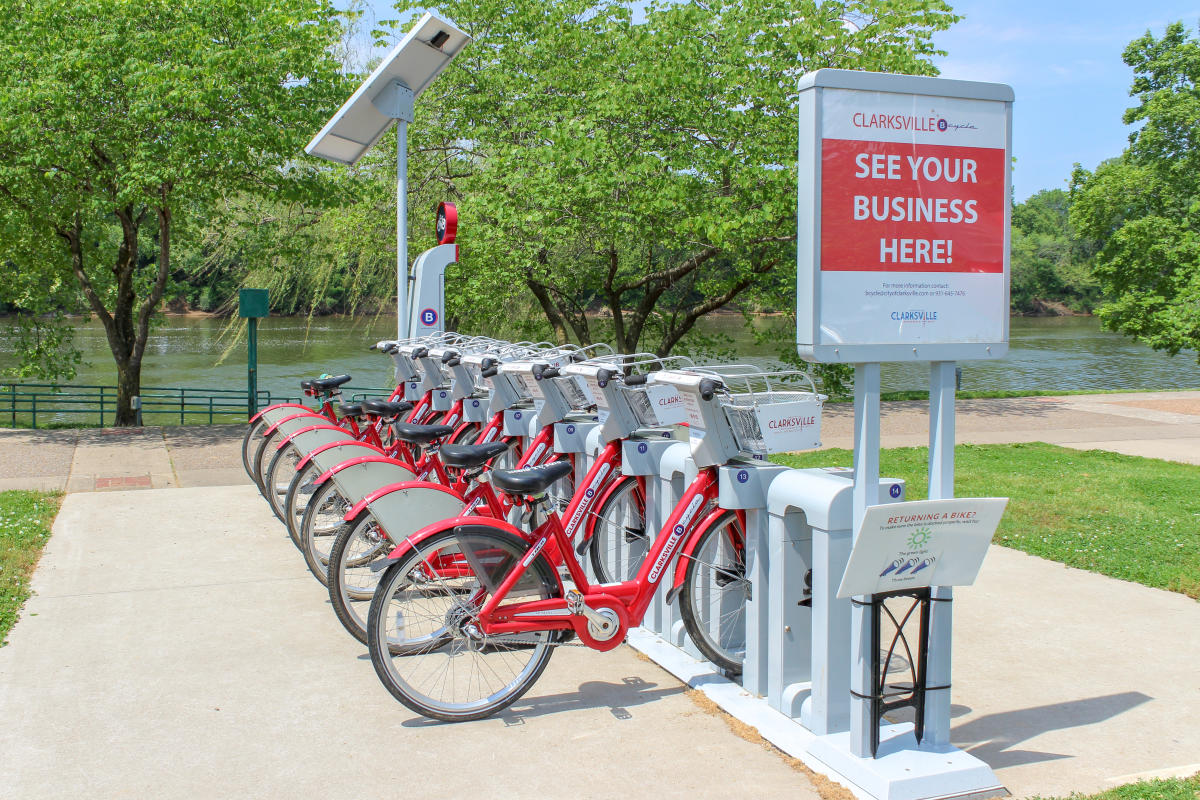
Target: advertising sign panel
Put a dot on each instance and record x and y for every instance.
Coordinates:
(902, 218)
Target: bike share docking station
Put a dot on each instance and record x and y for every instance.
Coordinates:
(849, 619)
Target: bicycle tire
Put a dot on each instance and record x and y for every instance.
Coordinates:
(620, 541)
(250, 444)
(321, 523)
(358, 543)
(350, 587)
(714, 594)
(469, 673)
(299, 494)
(277, 480)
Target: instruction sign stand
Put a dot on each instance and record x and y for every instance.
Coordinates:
(903, 201)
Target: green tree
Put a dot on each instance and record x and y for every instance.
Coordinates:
(647, 169)
(1051, 266)
(1144, 206)
(124, 123)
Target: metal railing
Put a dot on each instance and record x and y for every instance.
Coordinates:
(24, 403)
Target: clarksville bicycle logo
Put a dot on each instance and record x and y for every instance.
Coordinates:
(914, 559)
(796, 423)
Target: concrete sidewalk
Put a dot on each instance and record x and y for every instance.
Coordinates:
(176, 646)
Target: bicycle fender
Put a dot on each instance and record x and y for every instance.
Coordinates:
(318, 450)
(276, 407)
(371, 459)
(416, 538)
(308, 412)
(397, 487)
(689, 547)
(327, 426)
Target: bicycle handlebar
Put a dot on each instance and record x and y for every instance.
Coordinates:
(636, 380)
(709, 387)
(490, 372)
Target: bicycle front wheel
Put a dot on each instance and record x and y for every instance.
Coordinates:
(620, 541)
(715, 591)
(423, 633)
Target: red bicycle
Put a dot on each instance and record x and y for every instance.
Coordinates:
(462, 643)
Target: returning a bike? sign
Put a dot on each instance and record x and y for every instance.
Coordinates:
(902, 218)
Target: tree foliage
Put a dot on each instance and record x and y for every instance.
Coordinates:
(645, 169)
(1144, 206)
(1051, 266)
(124, 123)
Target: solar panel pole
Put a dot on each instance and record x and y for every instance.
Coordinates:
(396, 101)
(402, 228)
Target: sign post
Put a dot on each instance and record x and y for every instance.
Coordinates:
(903, 220)
(252, 304)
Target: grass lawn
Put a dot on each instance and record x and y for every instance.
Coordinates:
(1168, 789)
(25, 519)
(1137, 519)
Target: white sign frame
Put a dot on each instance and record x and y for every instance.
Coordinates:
(921, 543)
(839, 342)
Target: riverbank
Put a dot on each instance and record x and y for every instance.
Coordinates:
(1046, 354)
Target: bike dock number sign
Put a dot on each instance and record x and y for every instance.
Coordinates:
(904, 191)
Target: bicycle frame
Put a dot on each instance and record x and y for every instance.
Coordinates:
(628, 599)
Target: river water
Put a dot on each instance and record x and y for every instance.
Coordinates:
(1045, 354)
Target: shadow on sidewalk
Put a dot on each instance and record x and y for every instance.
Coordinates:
(991, 737)
(203, 435)
(616, 697)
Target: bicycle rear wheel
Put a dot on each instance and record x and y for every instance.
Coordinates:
(349, 576)
(299, 494)
(714, 593)
(620, 542)
(278, 479)
(250, 442)
(319, 527)
(422, 629)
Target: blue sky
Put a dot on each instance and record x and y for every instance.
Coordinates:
(1063, 60)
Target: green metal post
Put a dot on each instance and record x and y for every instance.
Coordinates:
(252, 367)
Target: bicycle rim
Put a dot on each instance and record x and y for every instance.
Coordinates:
(250, 442)
(620, 541)
(322, 521)
(350, 578)
(425, 645)
(300, 494)
(714, 594)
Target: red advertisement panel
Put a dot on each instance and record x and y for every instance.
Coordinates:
(902, 207)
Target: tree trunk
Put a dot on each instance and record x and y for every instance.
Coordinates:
(129, 386)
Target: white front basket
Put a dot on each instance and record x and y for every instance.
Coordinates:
(789, 423)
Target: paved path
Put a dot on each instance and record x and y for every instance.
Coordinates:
(176, 646)
(1155, 425)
